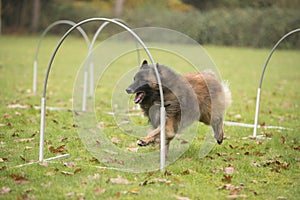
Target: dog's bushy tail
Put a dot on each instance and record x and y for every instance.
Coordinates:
(227, 93)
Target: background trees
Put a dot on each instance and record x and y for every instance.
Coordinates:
(257, 23)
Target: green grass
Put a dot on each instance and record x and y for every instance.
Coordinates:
(263, 169)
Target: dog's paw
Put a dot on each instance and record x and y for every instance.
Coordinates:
(143, 142)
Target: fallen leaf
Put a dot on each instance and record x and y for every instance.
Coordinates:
(258, 153)
(286, 104)
(5, 190)
(22, 158)
(94, 177)
(110, 152)
(282, 138)
(118, 194)
(65, 139)
(100, 126)
(115, 140)
(58, 150)
(44, 164)
(50, 173)
(297, 148)
(94, 160)
(32, 120)
(215, 170)
(27, 148)
(227, 179)
(3, 160)
(70, 164)
(135, 190)
(17, 106)
(119, 180)
(46, 184)
(255, 164)
(132, 145)
(184, 142)
(235, 196)
(19, 180)
(143, 183)
(230, 187)
(67, 173)
(99, 190)
(229, 170)
(281, 120)
(176, 179)
(18, 113)
(135, 150)
(24, 140)
(168, 173)
(281, 197)
(238, 116)
(188, 171)
(181, 198)
(7, 116)
(77, 170)
(70, 194)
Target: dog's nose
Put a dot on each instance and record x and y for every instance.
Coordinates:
(129, 91)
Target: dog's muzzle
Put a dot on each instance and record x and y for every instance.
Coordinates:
(129, 91)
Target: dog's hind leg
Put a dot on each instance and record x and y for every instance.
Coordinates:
(217, 125)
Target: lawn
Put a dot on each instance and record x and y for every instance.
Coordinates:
(267, 168)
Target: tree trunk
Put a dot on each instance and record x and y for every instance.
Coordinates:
(35, 15)
(0, 17)
(119, 4)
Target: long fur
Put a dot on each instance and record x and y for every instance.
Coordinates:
(187, 98)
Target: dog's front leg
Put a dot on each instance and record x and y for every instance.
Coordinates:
(150, 137)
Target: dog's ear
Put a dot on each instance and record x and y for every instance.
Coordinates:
(144, 64)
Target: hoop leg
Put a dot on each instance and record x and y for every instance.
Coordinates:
(42, 129)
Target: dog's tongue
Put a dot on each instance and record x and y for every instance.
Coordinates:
(138, 97)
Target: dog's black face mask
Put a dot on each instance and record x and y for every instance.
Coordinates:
(141, 84)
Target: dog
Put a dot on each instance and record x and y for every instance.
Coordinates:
(188, 98)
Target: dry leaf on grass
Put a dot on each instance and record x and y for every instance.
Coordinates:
(19, 180)
(58, 150)
(134, 150)
(181, 198)
(227, 179)
(67, 173)
(134, 190)
(236, 196)
(77, 170)
(17, 106)
(94, 177)
(99, 190)
(119, 180)
(115, 140)
(5, 190)
(229, 170)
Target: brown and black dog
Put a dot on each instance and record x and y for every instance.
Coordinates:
(187, 98)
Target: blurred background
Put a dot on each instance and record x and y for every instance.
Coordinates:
(255, 23)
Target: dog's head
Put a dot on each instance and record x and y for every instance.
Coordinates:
(143, 83)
